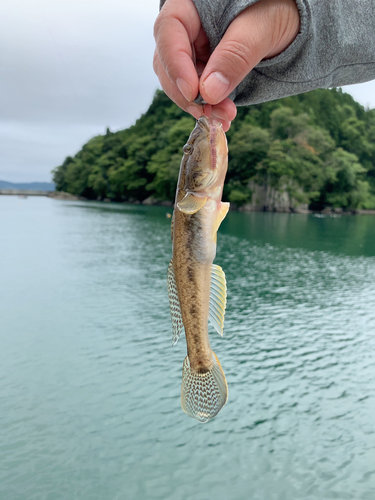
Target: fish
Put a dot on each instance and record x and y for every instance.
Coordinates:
(197, 287)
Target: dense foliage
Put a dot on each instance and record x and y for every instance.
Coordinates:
(318, 146)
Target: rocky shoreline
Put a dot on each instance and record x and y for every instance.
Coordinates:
(61, 195)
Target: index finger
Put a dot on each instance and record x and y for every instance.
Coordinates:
(176, 28)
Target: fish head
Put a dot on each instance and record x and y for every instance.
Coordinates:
(206, 155)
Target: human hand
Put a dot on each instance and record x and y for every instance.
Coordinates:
(261, 31)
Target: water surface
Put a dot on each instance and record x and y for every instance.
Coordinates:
(90, 385)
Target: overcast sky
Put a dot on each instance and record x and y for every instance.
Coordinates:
(69, 69)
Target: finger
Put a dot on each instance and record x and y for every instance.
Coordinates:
(173, 91)
(226, 126)
(202, 46)
(241, 48)
(175, 30)
(224, 112)
(209, 112)
(253, 35)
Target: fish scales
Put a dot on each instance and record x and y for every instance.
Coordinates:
(193, 285)
(196, 286)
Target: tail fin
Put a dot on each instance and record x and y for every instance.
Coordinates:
(203, 394)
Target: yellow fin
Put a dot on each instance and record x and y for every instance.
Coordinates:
(203, 394)
(191, 203)
(174, 304)
(218, 299)
(221, 213)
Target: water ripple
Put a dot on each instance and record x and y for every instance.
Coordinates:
(90, 385)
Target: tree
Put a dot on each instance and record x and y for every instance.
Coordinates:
(318, 146)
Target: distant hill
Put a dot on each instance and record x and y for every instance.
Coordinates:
(34, 186)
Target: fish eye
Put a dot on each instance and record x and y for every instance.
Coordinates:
(187, 148)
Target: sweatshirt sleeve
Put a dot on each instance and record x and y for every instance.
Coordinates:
(335, 47)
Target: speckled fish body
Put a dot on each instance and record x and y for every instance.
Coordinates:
(196, 286)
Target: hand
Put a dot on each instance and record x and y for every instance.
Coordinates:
(261, 31)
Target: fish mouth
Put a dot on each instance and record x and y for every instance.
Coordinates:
(204, 123)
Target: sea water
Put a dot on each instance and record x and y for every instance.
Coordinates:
(90, 384)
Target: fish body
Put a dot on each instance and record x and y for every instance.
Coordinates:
(197, 287)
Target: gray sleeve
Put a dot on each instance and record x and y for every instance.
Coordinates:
(335, 47)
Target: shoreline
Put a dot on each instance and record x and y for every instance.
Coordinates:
(59, 195)
(151, 201)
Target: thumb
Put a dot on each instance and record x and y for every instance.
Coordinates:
(262, 30)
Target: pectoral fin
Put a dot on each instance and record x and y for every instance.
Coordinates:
(174, 304)
(191, 203)
(218, 299)
(221, 213)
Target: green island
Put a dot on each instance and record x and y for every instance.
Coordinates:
(311, 151)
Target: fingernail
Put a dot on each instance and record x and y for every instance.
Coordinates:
(216, 86)
(196, 111)
(184, 88)
(220, 114)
